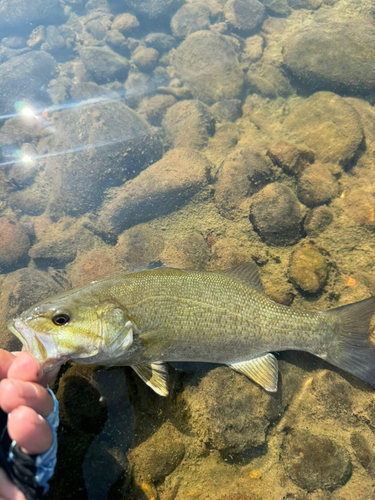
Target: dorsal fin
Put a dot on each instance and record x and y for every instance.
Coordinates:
(246, 273)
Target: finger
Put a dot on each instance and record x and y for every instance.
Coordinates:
(30, 431)
(25, 367)
(7, 489)
(6, 359)
(15, 393)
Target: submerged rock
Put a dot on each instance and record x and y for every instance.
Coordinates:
(14, 242)
(244, 14)
(192, 252)
(275, 213)
(317, 220)
(328, 125)
(346, 49)
(189, 18)
(316, 185)
(188, 124)
(25, 77)
(315, 462)
(268, 81)
(229, 412)
(242, 174)
(152, 8)
(19, 12)
(208, 64)
(158, 456)
(103, 64)
(96, 146)
(160, 189)
(308, 269)
(228, 110)
(139, 246)
(290, 158)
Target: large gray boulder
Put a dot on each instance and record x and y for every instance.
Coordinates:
(25, 77)
(208, 64)
(96, 146)
(18, 12)
(335, 56)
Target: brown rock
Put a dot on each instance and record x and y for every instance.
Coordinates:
(158, 190)
(241, 175)
(275, 213)
(317, 220)
(316, 186)
(315, 462)
(188, 124)
(125, 23)
(138, 246)
(360, 206)
(192, 252)
(308, 269)
(14, 241)
(145, 58)
(154, 109)
(93, 265)
(290, 158)
(158, 457)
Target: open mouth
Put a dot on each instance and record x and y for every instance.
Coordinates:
(37, 344)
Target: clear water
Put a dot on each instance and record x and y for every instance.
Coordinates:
(139, 133)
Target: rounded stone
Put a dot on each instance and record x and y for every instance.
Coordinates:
(290, 158)
(317, 220)
(244, 14)
(188, 124)
(316, 186)
(315, 462)
(242, 174)
(334, 56)
(308, 269)
(158, 456)
(125, 23)
(145, 58)
(208, 64)
(275, 213)
(328, 125)
(14, 241)
(190, 18)
(139, 246)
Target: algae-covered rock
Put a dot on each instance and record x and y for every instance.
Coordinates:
(188, 124)
(92, 265)
(308, 269)
(154, 109)
(315, 462)
(158, 456)
(328, 125)
(208, 64)
(229, 412)
(19, 12)
(103, 64)
(333, 56)
(241, 175)
(275, 213)
(145, 58)
(359, 203)
(364, 452)
(317, 220)
(228, 110)
(189, 18)
(192, 252)
(268, 81)
(139, 246)
(14, 242)
(158, 190)
(316, 185)
(152, 8)
(244, 14)
(290, 158)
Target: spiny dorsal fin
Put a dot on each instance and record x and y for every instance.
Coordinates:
(246, 273)
(154, 375)
(263, 370)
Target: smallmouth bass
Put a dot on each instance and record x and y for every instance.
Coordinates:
(147, 318)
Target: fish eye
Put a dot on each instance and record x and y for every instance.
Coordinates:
(61, 319)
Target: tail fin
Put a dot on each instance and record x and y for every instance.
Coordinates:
(352, 350)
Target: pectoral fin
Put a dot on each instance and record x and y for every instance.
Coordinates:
(263, 370)
(154, 375)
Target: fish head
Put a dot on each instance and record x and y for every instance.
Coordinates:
(62, 329)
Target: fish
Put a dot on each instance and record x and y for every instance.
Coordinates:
(148, 318)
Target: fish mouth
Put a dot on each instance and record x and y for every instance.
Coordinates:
(40, 345)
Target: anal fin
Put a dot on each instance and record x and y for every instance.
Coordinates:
(263, 370)
(155, 375)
